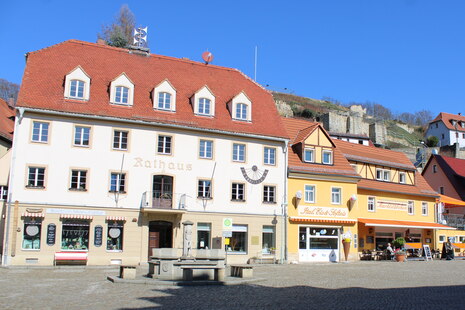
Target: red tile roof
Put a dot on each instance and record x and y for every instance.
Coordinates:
(298, 130)
(43, 87)
(453, 169)
(446, 119)
(374, 155)
(6, 120)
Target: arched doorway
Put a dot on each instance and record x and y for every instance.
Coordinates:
(160, 235)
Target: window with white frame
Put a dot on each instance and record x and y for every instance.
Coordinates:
(424, 208)
(402, 177)
(36, 177)
(241, 111)
(117, 182)
(310, 193)
(371, 204)
(269, 194)
(204, 189)
(410, 208)
(121, 95)
(40, 131)
(206, 149)
(164, 145)
(81, 136)
(204, 106)
(238, 152)
(76, 89)
(120, 140)
(164, 101)
(78, 180)
(336, 195)
(237, 191)
(203, 235)
(327, 157)
(31, 233)
(383, 175)
(3, 192)
(238, 241)
(269, 156)
(309, 155)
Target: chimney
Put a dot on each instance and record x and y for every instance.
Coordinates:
(460, 113)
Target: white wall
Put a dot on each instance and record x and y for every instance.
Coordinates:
(59, 156)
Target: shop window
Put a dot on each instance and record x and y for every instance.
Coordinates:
(411, 208)
(269, 157)
(40, 132)
(164, 145)
(75, 235)
(115, 236)
(336, 196)
(3, 192)
(303, 238)
(424, 208)
(203, 235)
(237, 192)
(268, 239)
(309, 155)
(81, 136)
(269, 194)
(31, 233)
(204, 189)
(309, 193)
(238, 152)
(238, 241)
(371, 204)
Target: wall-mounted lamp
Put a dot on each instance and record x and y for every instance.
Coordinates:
(134, 220)
(298, 198)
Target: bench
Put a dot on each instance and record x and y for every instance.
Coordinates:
(127, 272)
(71, 257)
(243, 271)
(188, 272)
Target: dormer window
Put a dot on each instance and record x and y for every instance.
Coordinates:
(76, 89)
(204, 106)
(122, 95)
(241, 111)
(402, 178)
(309, 155)
(453, 122)
(164, 97)
(77, 84)
(327, 157)
(462, 124)
(240, 108)
(122, 91)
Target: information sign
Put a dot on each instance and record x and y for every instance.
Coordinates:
(98, 234)
(51, 233)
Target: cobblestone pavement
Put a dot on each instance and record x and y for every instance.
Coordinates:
(355, 285)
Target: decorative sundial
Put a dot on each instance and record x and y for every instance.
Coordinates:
(254, 175)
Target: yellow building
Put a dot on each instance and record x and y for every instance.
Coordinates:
(393, 199)
(321, 184)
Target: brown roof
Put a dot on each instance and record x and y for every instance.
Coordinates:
(298, 130)
(446, 118)
(454, 170)
(374, 155)
(43, 87)
(6, 120)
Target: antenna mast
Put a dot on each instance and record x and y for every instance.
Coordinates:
(255, 65)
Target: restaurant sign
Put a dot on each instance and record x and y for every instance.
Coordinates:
(391, 205)
(323, 211)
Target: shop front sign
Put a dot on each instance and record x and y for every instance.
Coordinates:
(391, 205)
(98, 232)
(323, 211)
(51, 233)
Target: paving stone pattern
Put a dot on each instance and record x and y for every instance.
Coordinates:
(355, 285)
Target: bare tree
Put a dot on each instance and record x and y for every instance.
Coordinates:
(8, 90)
(407, 117)
(423, 117)
(120, 32)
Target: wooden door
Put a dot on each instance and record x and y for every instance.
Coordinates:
(154, 241)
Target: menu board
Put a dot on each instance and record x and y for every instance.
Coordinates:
(51, 234)
(98, 235)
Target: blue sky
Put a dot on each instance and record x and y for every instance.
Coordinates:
(405, 54)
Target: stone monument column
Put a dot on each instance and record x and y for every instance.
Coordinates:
(187, 239)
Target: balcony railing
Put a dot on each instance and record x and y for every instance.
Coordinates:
(455, 220)
(158, 200)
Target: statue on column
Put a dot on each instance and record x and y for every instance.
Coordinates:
(187, 239)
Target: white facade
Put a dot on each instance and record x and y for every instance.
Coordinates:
(445, 135)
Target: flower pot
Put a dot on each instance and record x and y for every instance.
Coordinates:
(400, 257)
(346, 246)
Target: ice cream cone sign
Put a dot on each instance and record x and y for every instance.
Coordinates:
(346, 239)
(352, 201)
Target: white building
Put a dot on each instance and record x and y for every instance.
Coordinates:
(114, 149)
(448, 128)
